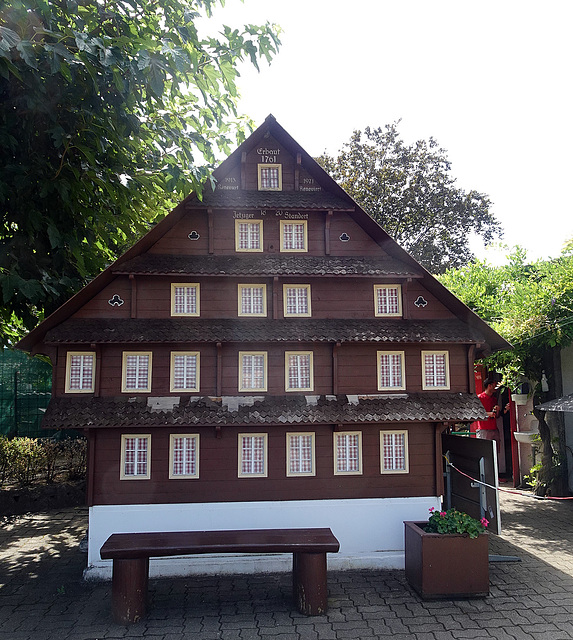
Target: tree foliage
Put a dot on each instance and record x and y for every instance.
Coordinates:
(110, 112)
(409, 190)
(531, 306)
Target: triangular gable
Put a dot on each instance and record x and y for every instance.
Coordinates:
(227, 174)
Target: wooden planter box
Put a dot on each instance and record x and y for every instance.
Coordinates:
(446, 566)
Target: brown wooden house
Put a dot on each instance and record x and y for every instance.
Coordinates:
(266, 356)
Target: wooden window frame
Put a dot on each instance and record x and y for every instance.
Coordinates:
(258, 223)
(135, 476)
(287, 371)
(289, 439)
(394, 432)
(125, 355)
(242, 387)
(264, 472)
(186, 285)
(402, 356)
(82, 354)
(240, 289)
(425, 385)
(261, 168)
(301, 287)
(197, 386)
(183, 476)
(381, 314)
(357, 472)
(283, 224)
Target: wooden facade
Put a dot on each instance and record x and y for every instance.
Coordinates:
(288, 312)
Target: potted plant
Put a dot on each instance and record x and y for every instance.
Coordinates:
(447, 556)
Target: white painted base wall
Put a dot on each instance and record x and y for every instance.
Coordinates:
(370, 531)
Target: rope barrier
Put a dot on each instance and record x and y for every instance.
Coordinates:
(525, 494)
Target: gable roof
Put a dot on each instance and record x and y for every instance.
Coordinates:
(332, 198)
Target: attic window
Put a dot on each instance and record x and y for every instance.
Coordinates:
(270, 177)
(185, 299)
(248, 235)
(80, 368)
(294, 236)
(136, 375)
(435, 370)
(387, 300)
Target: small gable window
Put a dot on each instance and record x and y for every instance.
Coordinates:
(135, 457)
(248, 235)
(185, 299)
(388, 300)
(252, 455)
(394, 451)
(252, 300)
(296, 300)
(348, 453)
(184, 456)
(80, 372)
(435, 370)
(136, 374)
(300, 454)
(184, 371)
(270, 177)
(391, 371)
(293, 236)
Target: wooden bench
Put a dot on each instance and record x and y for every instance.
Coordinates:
(130, 553)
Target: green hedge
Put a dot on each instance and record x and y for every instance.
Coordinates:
(24, 461)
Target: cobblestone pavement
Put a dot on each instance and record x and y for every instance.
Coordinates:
(43, 596)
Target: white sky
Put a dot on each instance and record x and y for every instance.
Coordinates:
(491, 81)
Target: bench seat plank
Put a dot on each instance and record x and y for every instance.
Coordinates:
(160, 544)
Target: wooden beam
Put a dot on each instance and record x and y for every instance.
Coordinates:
(439, 428)
(275, 298)
(244, 170)
(133, 301)
(471, 374)
(297, 171)
(335, 349)
(406, 299)
(219, 369)
(327, 233)
(211, 235)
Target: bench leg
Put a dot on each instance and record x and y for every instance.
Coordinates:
(309, 583)
(129, 589)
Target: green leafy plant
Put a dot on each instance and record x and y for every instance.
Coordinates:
(454, 521)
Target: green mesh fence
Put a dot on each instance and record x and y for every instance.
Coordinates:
(25, 390)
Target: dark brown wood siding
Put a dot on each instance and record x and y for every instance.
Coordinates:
(218, 463)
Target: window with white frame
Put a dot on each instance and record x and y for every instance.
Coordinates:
(296, 300)
(388, 300)
(252, 371)
(348, 453)
(248, 235)
(135, 457)
(253, 455)
(80, 372)
(184, 455)
(391, 371)
(299, 371)
(185, 299)
(270, 177)
(185, 371)
(252, 299)
(393, 452)
(136, 374)
(435, 370)
(293, 235)
(300, 454)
